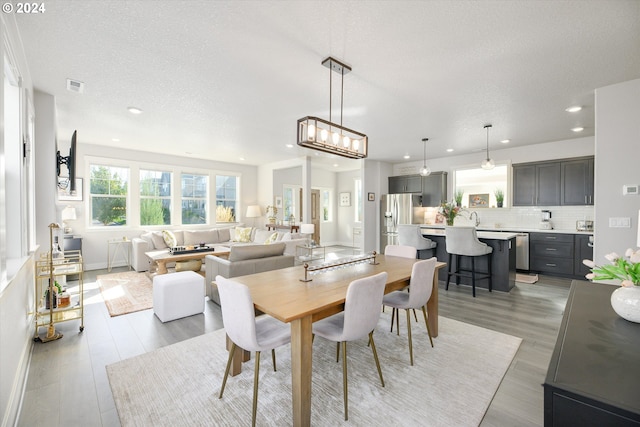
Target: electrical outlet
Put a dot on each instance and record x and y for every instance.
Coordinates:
(620, 222)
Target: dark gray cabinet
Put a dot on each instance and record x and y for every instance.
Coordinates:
(524, 185)
(582, 250)
(434, 189)
(577, 182)
(536, 184)
(551, 253)
(405, 184)
(555, 183)
(548, 184)
(593, 374)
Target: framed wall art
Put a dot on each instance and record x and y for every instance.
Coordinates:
(278, 202)
(479, 200)
(345, 199)
(371, 197)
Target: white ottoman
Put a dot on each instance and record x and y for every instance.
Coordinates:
(177, 295)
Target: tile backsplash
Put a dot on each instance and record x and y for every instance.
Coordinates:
(562, 217)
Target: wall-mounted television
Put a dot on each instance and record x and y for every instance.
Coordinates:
(70, 162)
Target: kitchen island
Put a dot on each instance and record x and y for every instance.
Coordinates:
(503, 258)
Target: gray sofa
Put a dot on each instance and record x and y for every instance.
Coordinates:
(223, 236)
(244, 260)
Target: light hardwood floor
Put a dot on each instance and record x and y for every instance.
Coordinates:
(67, 383)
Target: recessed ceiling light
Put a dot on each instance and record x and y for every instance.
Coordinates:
(449, 150)
(578, 129)
(134, 110)
(406, 156)
(241, 158)
(505, 141)
(115, 139)
(335, 165)
(289, 146)
(573, 109)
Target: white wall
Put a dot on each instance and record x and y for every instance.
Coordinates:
(616, 163)
(17, 297)
(346, 214)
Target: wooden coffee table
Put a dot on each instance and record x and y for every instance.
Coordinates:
(161, 258)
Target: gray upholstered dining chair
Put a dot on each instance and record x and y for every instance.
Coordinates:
(248, 332)
(463, 241)
(420, 288)
(410, 235)
(359, 318)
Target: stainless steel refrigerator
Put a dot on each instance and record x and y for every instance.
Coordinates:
(398, 209)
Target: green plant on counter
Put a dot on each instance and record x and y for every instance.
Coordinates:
(458, 197)
(499, 196)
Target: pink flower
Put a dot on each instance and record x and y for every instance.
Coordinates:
(635, 257)
(612, 257)
(627, 283)
(589, 263)
(590, 276)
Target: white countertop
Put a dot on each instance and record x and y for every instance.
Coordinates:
(493, 235)
(510, 229)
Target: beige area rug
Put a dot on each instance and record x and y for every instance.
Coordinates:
(126, 292)
(526, 278)
(451, 384)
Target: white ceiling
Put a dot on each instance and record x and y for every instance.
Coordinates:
(226, 80)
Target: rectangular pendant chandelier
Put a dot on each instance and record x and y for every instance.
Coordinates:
(333, 138)
(322, 135)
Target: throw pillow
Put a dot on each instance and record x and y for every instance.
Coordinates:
(261, 236)
(158, 240)
(169, 238)
(243, 234)
(273, 238)
(286, 237)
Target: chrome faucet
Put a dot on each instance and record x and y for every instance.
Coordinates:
(471, 215)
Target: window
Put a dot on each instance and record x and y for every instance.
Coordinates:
(292, 204)
(358, 192)
(194, 199)
(226, 198)
(155, 197)
(479, 183)
(108, 192)
(325, 205)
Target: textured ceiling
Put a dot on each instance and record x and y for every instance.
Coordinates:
(226, 80)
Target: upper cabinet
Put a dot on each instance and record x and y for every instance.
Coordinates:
(434, 189)
(577, 182)
(555, 183)
(405, 184)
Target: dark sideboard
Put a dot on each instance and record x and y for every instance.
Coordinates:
(594, 374)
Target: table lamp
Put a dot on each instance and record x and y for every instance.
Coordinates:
(308, 229)
(68, 214)
(253, 211)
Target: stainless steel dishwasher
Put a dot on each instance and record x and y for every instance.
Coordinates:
(522, 251)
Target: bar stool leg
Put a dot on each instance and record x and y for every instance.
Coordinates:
(473, 275)
(449, 272)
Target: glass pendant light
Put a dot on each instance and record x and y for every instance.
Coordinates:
(425, 171)
(488, 163)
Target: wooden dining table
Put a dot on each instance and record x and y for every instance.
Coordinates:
(282, 295)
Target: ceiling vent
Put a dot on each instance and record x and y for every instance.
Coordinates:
(75, 86)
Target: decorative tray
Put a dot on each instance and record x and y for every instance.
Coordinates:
(177, 250)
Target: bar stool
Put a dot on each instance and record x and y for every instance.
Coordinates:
(410, 235)
(463, 241)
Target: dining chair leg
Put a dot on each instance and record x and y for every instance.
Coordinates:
(337, 352)
(273, 357)
(226, 371)
(415, 316)
(345, 390)
(375, 356)
(255, 390)
(409, 333)
(424, 312)
(397, 321)
(393, 316)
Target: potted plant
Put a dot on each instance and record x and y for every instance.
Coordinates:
(499, 197)
(458, 197)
